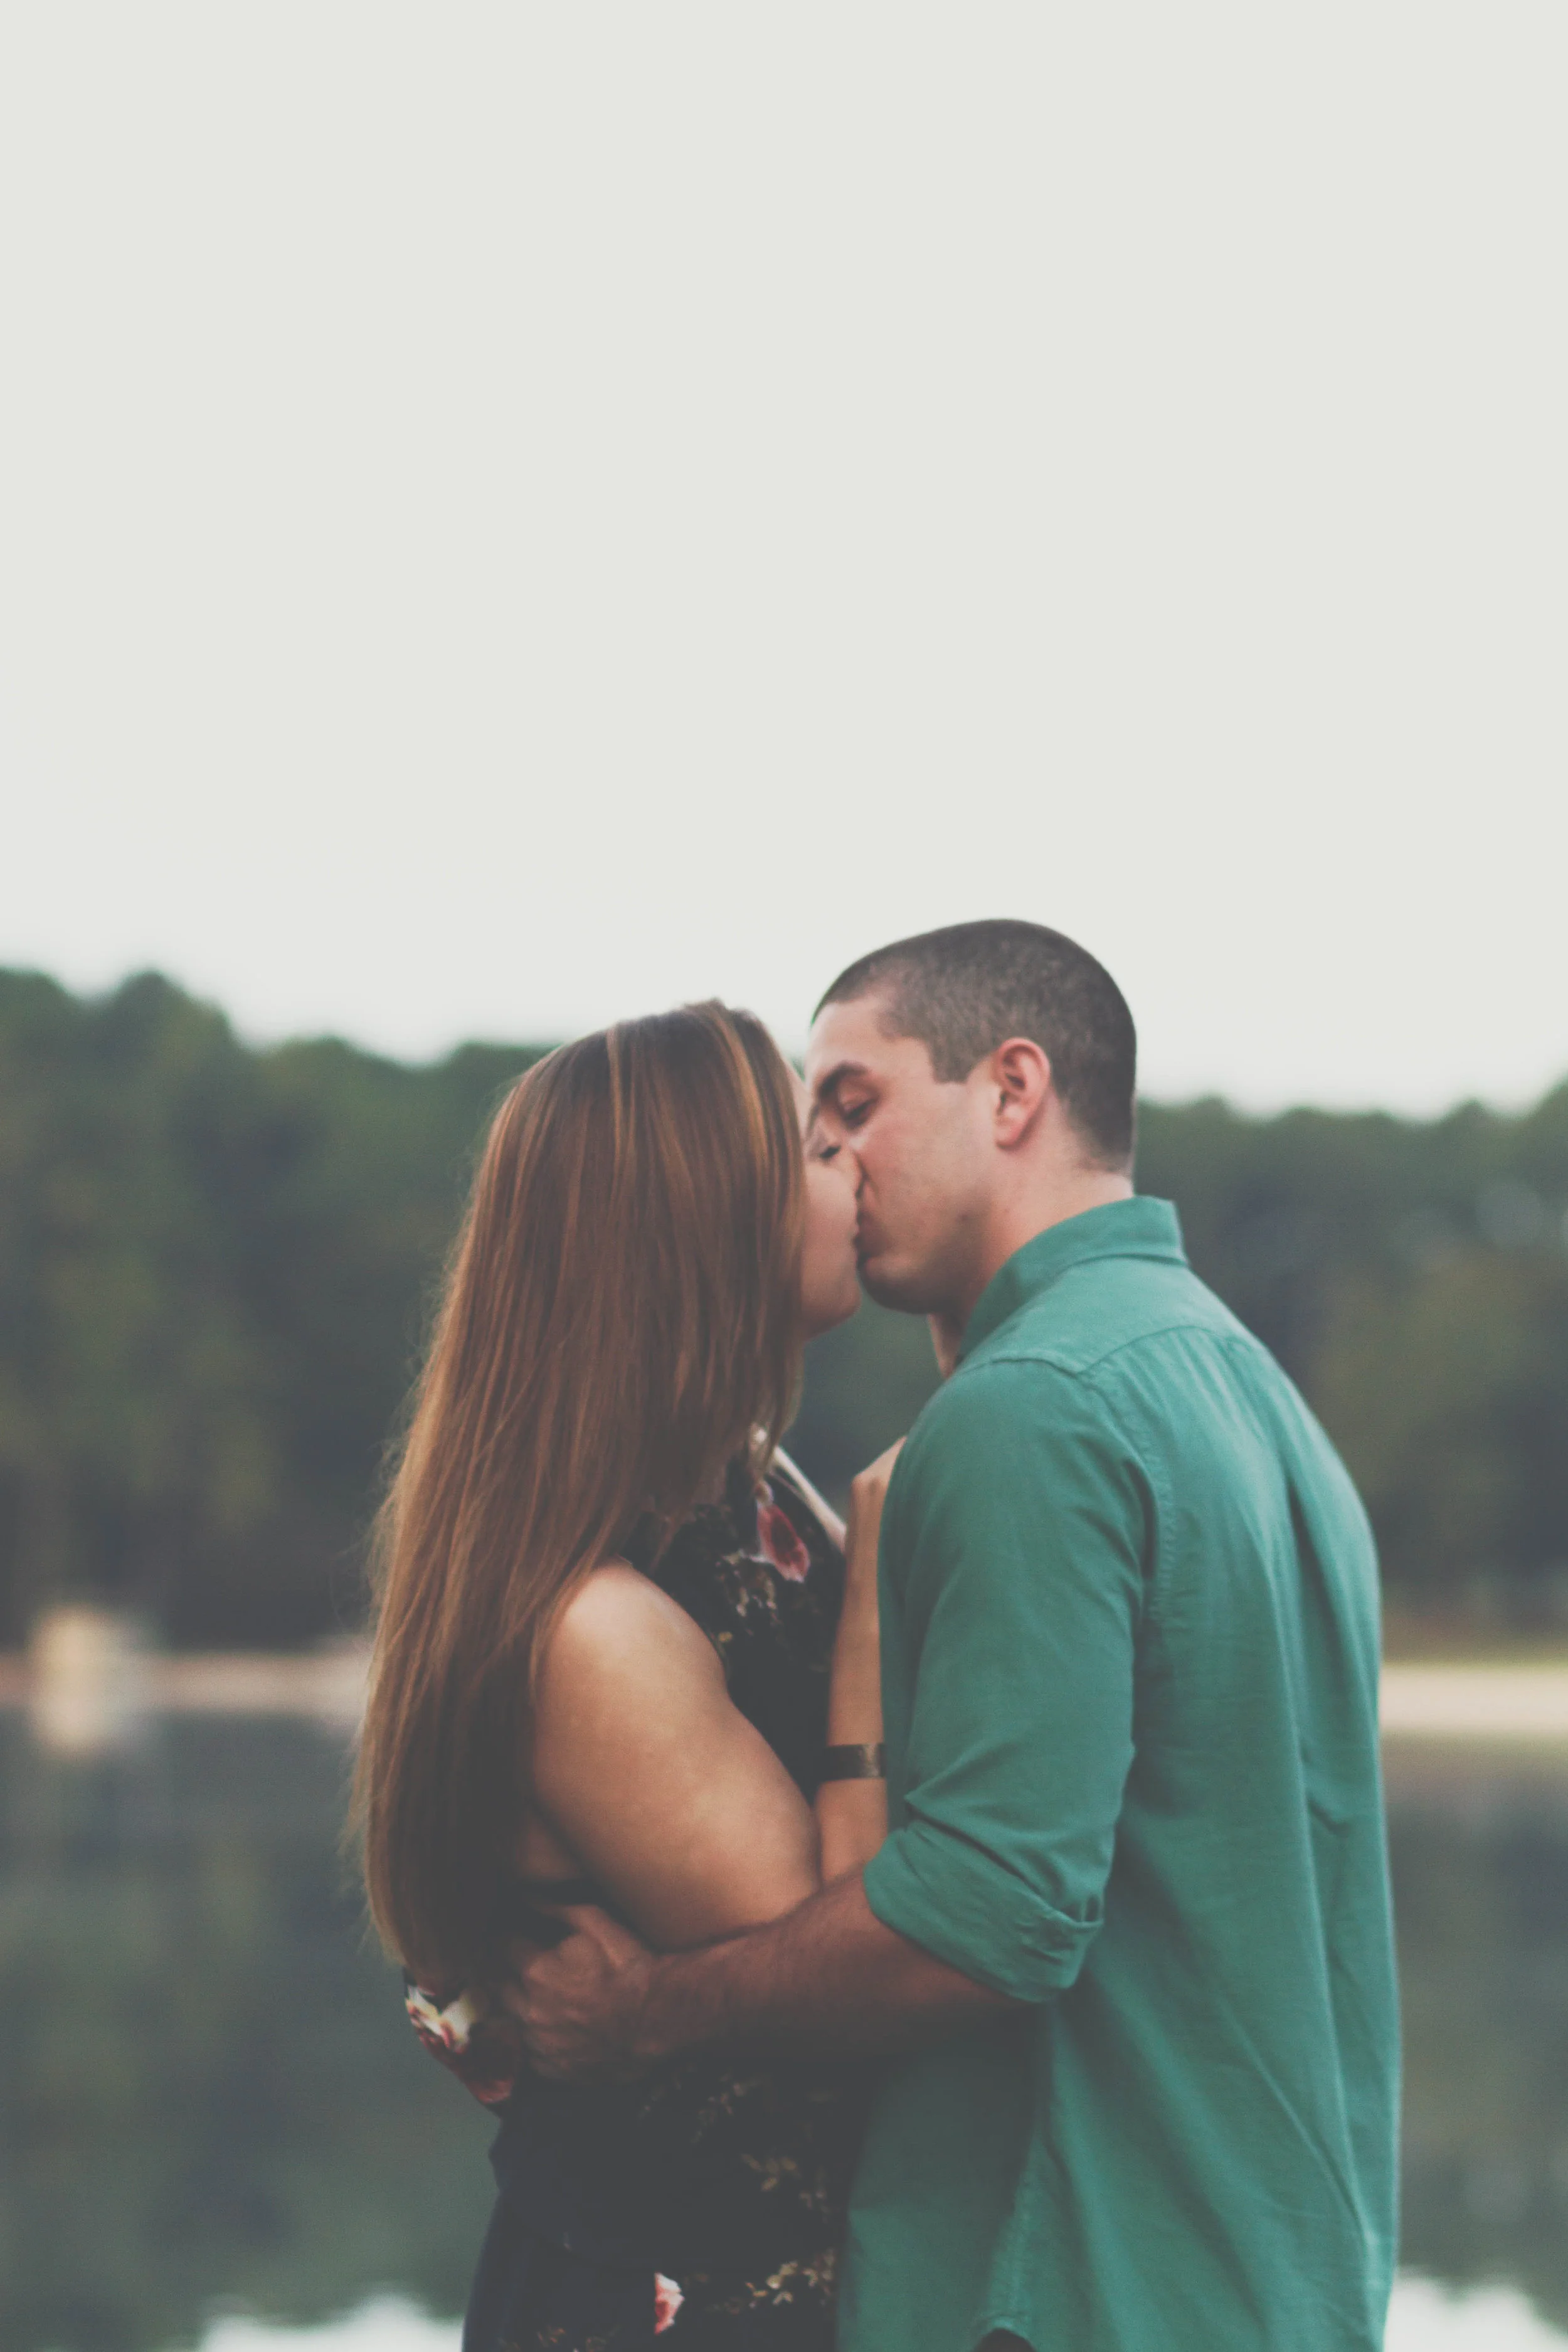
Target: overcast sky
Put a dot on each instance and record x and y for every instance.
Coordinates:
(513, 516)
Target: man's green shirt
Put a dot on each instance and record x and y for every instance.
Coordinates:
(1129, 1671)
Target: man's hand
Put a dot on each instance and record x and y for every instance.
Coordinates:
(578, 2005)
(827, 1979)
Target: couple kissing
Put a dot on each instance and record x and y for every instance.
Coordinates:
(965, 1927)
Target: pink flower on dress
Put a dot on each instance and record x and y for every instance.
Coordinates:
(451, 2024)
(667, 2301)
(456, 2034)
(778, 1543)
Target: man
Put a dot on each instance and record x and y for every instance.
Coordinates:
(1128, 1936)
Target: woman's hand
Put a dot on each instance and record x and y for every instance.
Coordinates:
(852, 1815)
(863, 1533)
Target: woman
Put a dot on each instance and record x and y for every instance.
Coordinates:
(620, 1654)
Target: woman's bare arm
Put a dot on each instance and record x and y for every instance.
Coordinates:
(668, 1798)
(672, 1801)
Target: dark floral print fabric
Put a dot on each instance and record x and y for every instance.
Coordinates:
(704, 2205)
(532, 2295)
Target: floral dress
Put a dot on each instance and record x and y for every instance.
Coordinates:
(703, 2205)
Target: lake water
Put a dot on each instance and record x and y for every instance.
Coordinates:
(215, 2128)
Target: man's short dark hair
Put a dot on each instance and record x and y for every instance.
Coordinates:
(964, 990)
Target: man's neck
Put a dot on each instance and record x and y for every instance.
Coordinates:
(1018, 1219)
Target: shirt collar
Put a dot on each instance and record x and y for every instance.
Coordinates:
(1140, 1227)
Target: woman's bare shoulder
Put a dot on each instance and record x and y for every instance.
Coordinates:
(619, 1629)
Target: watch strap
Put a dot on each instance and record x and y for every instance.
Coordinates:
(855, 1763)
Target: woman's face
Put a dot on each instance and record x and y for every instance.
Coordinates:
(829, 1288)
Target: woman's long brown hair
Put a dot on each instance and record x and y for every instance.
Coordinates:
(620, 1319)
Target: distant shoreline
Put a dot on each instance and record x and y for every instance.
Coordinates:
(328, 1685)
(1488, 1701)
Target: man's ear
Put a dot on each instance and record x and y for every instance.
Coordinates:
(1021, 1081)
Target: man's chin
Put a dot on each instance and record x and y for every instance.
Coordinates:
(890, 1285)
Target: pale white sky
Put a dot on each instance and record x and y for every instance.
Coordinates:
(514, 515)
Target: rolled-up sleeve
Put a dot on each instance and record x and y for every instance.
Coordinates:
(1014, 1547)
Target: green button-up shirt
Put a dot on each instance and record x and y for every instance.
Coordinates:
(1130, 1673)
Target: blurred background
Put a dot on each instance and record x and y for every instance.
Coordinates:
(512, 517)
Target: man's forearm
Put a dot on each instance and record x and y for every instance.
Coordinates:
(828, 1978)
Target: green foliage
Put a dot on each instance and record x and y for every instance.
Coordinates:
(1414, 1278)
(1449, 1394)
(216, 1266)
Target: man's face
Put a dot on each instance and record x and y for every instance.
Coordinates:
(922, 1150)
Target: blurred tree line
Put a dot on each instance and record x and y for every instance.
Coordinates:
(214, 1271)
(217, 1263)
